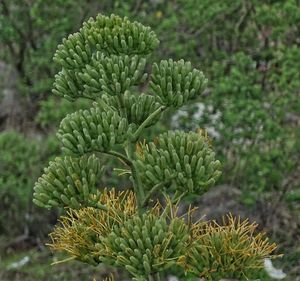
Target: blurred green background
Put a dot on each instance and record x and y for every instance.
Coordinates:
(249, 50)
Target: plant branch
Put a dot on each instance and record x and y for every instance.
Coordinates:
(119, 155)
(138, 186)
(136, 180)
(178, 197)
(147, 122)
(154, 189)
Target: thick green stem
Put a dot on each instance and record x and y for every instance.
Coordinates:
(138, 186)
(137, 183)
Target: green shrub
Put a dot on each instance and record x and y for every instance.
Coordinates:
(18, 169)
(105, 61)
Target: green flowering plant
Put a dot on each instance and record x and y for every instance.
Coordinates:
(106, 62)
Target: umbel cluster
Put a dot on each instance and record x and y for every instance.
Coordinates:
(106, 62)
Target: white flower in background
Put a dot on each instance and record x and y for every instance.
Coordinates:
(272, 271)
(19, 263)
(200, 108)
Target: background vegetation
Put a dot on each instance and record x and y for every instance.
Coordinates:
(249, 50)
